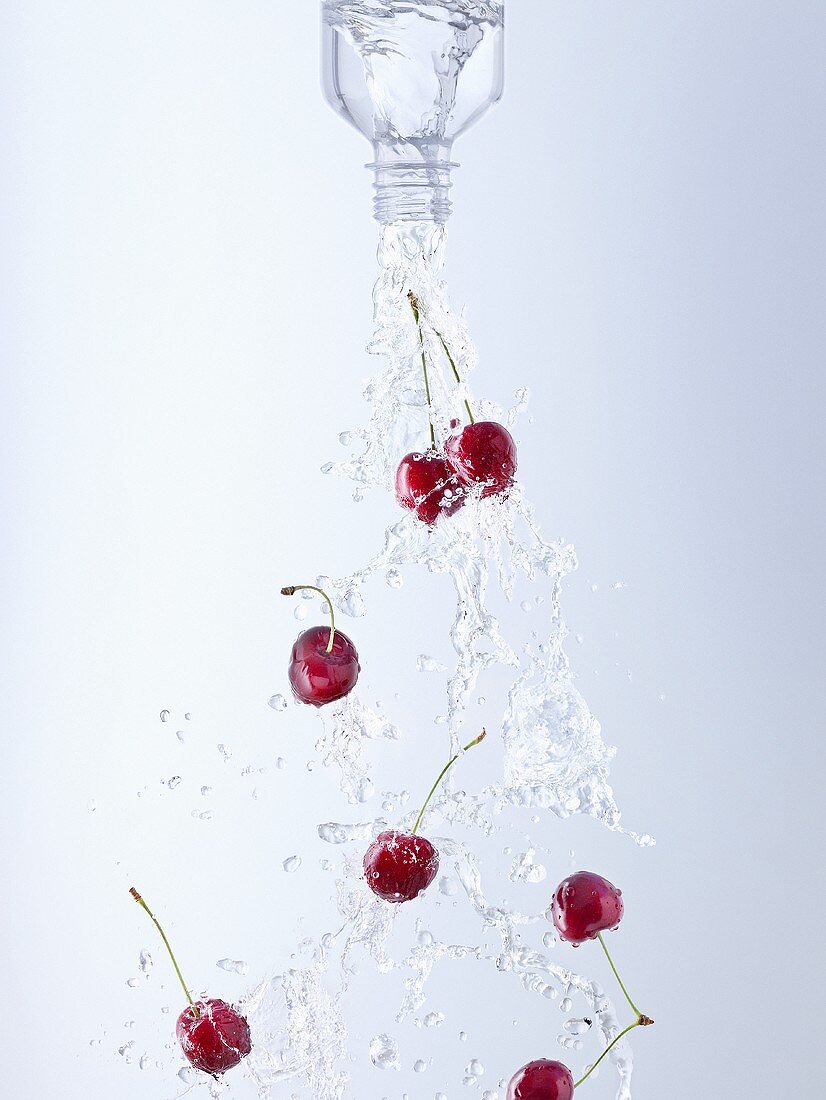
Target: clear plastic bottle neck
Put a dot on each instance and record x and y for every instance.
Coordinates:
(412, 182)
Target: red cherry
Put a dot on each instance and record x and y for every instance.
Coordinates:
(427, 486)
(585, 904)
(318, 676)
(542, 1080)
(400, 866)
(213, 1035)
(483, 453)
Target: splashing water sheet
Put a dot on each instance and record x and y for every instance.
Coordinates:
(554, 761)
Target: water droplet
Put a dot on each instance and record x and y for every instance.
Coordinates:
(448, 886)
(225, 752)
(364, 789)
(566, 1004)
(189, 1075)
(429, 664)
(384, 1052)
(174, 782)
(180, 735)
(291, 864)
(577, 1027)
(206, 791)
(394, 578)
(277, 702)
(434, 1019)
(133, 983)
(144, 962)
(353, 604)
(300, 612)
(419, 1066)
(233, 966)
(92, 805)
(164, 715)
(281, 763)
(335, 833)
(474, 1068)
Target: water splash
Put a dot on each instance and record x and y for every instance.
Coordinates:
(554, 757)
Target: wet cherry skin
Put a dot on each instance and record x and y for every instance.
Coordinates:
(213, 1035)
(428, 486)
(542, 1080)
(399, 866)
(585, 904)
(484, 454)
(318, 677)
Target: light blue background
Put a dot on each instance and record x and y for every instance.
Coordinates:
(186, 269)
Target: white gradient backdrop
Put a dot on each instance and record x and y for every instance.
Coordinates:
(187, 258)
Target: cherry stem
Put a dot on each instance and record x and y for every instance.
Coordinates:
(291, 589)
(455, 373)
(414, 305)
(641, 1021)
(154, 920)
(634, 1008)
(443, 773)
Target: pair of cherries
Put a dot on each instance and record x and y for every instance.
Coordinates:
(432, 484)
(437, 482)
(584, 906)
(213, 1035)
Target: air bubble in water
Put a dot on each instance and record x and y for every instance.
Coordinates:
(384, 1052)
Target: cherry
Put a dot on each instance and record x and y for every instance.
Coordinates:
(400, 866)
(324, 663)
(585, 904)
(541, 1080)
(483, 453)
(213, 1035)
(427, 486)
